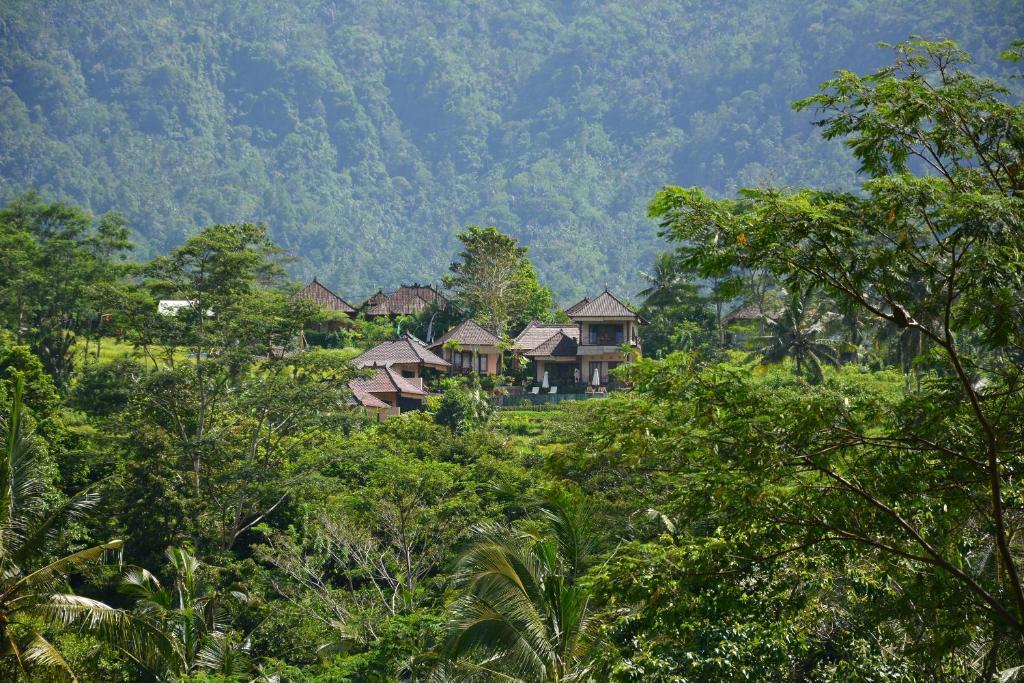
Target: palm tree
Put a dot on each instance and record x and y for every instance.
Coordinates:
(630, 351)
(661, 281)
(799, 334)
(34, 601)
(521, 615)
(191, 620)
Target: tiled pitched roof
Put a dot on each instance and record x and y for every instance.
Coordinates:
(747, 312)
(364, 398)
(406, 385)
(324, 297)
(406, 300)
(606, 305)
(402, 350)
(413, 298)
(468, 333)
(537, 333)
(578, 304)
(377, 304)
(385, 381)
(559, 345)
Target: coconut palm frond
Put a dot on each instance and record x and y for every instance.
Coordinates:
(14, 445)
(569, 521)
(93, 615)
(33, 596)
(38, 651)
(140, 583)
(226, 655)
(48, 528)
(798, 333)
(189, 621)
(520, 615)
(57, 569)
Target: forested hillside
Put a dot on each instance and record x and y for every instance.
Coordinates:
(367, 134)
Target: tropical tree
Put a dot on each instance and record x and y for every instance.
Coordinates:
(522, 614)
(191, 619)
(34, 599)
(53, 257)
(495, 282)
(934, 244)
(661, 281)
(799, 333)
(452, 346)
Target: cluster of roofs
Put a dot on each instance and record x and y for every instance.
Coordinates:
(601, 334)
(406, 300)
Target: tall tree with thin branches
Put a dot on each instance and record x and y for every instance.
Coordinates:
(494, 281)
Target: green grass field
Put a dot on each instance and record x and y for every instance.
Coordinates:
(110, 350)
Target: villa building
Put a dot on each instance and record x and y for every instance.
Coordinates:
(603, 334)
(397, 381)
(553, 348)
(408, 355)
(469, 348)
(387, 392)
(586, 349)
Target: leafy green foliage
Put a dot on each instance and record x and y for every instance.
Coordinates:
(495, 282)
(522, 613)
(799, 333)
(55, 258)
(910, 491)
(461, 408)
(33, 585)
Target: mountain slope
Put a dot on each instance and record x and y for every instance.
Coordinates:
(367, 134)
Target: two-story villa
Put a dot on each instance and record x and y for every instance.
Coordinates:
(588, 347)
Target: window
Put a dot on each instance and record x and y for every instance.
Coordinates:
(462, 361)
(606, 335)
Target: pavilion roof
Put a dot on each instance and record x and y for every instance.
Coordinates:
(403, 351)
(536, 333)
(364, 398)
(406, 300)
(560, 345)
(747, 312)
(325, 298)
(385, 381)
(467, 333)
(605, 305)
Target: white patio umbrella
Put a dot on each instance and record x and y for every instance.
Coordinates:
(596, 379)
(545, 383)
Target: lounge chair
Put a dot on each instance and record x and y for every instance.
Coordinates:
(554, 390)
(535, 390)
